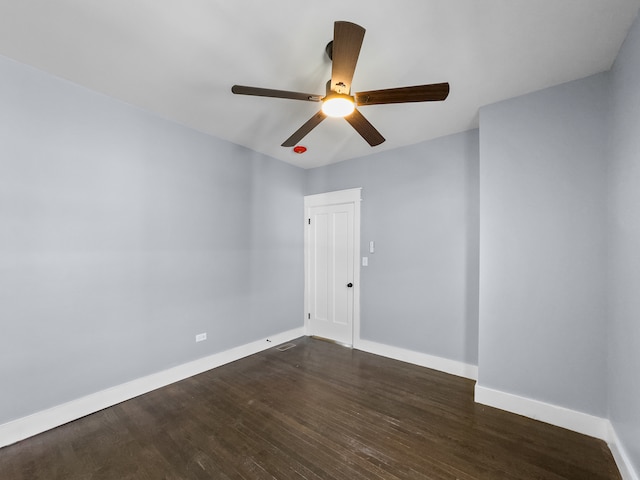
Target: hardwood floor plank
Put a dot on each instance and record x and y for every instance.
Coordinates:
(317, 411)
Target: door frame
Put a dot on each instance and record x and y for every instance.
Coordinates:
(354, 196)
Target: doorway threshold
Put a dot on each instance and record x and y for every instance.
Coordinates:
(329, 340)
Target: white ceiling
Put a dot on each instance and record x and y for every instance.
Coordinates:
(179, 59)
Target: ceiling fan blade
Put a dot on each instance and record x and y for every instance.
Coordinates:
(267, 92)
(299, 134)
(347, 40)
(420, 93)
(364, 128)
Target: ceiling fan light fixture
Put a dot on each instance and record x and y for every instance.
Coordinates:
(338, 105)
(343, 51)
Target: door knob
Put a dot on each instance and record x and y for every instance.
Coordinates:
(349, 284)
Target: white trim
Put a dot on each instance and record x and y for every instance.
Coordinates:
(357, 201)
(44, 420)
(453, 367)
(620, 455)
(563, 417)
(352, 195)
(545, 412)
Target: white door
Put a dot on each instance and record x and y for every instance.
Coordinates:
(332, 264)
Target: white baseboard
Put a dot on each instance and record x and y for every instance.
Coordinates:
(620, 455)
(545, 412)
(562, 417)
(44, 420)
(453, 367)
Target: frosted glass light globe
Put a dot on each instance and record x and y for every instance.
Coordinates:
(337, 105)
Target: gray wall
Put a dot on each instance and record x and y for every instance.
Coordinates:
(123, 235)
(420, 206)
(542, 245)
(624, 242)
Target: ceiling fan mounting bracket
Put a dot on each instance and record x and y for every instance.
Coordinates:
(329, 50)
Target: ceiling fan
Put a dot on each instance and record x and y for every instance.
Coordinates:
(338, 100)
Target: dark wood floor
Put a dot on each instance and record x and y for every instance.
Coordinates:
(317, 411)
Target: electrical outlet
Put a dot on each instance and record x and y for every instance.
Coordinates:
(201, 337)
